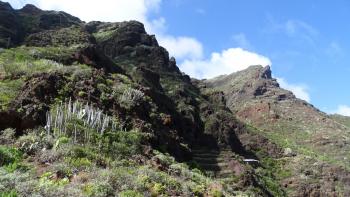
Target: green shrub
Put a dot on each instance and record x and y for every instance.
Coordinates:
(131, 98)
(157, 181)
(17, 181)
(79, 163)
(9, 155)
(47, 181)
(64, 169)
(98, 189)
(272, 186)
(79, 152)
(12, 193)
(7, 136)
(165, 159)
(216, 193)
(158, 189)
(104, 35)
(130, 193)
(193, 165)
(29, 60)
(11, 159)
(60, 141)
(103, 88)
(270, 173)
(20, 64)
(81, 73)
(197, 190)
(35, 141)
(83, 157)
(8, 91)
(122, 144)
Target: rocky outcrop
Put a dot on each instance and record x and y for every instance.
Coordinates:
(11, 31)
(91, 55)
(63, 37)
(250, 84)
(257, 100)
(118, 39)
(10, 119)
(188, 116)
(35, 20)
(246, 116)
(29, 109)
(16, 25)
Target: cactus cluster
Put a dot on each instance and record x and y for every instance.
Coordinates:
(57, 120)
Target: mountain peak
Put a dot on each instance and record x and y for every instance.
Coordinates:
(30, 9)
(266, 72)
(5, 6)
(259, 70)
(101, 98)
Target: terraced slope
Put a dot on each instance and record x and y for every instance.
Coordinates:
(215, 162)
(317, 140)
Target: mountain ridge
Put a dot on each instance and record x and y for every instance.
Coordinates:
(121, 70)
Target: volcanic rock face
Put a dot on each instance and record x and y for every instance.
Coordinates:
(17, 24)
(28, 110)
(244, 116)
(74, 35)
(10, 29)
(123, 48)
(257, 100)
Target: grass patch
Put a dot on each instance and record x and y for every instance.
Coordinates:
(10, 158)
(12, 193)
(291, 141)
(29, 60)
(8, 91)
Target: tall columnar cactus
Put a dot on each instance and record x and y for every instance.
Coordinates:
(58, 118)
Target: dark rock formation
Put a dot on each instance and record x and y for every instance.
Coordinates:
(257, 100)
(63, 37)
(29, 109)
(16, 25)
(246, 113)
(11, 30)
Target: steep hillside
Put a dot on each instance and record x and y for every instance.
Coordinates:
(100, 109)
(17, 24)
(319, 145)
(345, 120)
(87, 107)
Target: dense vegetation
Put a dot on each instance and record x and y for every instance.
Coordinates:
(99, 109)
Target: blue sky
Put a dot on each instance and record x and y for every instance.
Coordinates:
(307, 42)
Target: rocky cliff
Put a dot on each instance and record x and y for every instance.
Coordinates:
(94, 105)
(256, 98)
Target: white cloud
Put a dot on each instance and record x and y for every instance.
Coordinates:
(300, 91)
(182, 47)
(156, 26)
(121, 10)
(343, 110)
(102, 10)
(226, 62)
